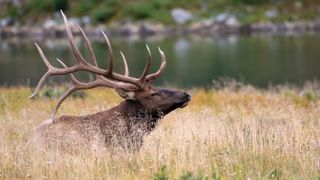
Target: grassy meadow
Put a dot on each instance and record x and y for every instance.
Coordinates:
(226, 133)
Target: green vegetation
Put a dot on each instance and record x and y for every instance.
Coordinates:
(247, 11)
(38, 6)
(235, 132)
(56, 92)
(253, 2)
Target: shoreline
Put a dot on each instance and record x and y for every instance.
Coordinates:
(148, 29)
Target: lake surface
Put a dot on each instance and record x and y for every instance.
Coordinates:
(191, 61)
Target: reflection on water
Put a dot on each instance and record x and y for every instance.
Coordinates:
(192, 61)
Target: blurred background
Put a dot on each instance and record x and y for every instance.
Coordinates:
(259, 42)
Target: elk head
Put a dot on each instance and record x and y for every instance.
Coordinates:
(139, 90)
(156, 100)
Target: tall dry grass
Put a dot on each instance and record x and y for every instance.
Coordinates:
(222, 134)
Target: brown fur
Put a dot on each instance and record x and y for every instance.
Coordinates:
(122, 126)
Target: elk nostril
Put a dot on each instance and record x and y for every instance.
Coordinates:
(187, 96)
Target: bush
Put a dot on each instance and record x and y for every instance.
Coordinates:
(141, 10)
(83, 7)
(105, 11)
(186, 176)
(13, 11)
(57, 91)
(60, 4)
(162, 174)
(48, 5)
(102, 14)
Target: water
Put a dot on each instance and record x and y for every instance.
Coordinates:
(191, 61)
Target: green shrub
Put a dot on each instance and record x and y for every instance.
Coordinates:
(216, 174)
(275, 174)
(162, 15)
(56, 92)
(186, 176)
(102, 14)
(105, 11)
(162, 174)
(48, 5)
(13, 11)
(60, 4)
(83, 7)
(140, 10)
(2, 104)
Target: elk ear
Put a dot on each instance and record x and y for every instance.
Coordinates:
(125, 94)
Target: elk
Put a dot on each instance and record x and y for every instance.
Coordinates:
(124, 125)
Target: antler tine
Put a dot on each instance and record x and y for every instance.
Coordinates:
(44, 58)
(91, 52)
(40, 84)
(110, 74)
(106, 78)
(147, 66)
(74, 48)
(125, 65)
(89, 47)
(46, 75)
(82, 86)
(77, 85)
(59, 71)
(61, 99)
(155, 75)
(110, 54)
(73, 88)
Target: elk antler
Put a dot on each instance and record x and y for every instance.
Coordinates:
(106, 78)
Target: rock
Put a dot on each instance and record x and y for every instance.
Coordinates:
(227, 19)
(98, 29)
(271, 13)
(232, 21)
(221, 18)
(49, 24)
(129, 28)
(86, 20)
(60, 30)
(263, 27)
(74, 21)
(202, 25)
(8, 21)
(151, 28)
(36, 32)
(196, 27)
(181, 16)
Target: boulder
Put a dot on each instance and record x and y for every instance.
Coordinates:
(221, 18)
(129, 28)
(49, 24)
(271, 13)
(8, 21)
(227, 19)
(232, 21)
(151, 28)
(181, 16)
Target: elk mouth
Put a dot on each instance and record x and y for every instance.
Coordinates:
(185, 102)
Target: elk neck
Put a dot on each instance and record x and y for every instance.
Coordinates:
(135, 112)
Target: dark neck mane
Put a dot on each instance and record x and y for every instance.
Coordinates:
(136, 113)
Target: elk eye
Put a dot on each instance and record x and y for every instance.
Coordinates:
(154, 94)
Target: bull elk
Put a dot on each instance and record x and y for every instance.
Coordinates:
(123, 125)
